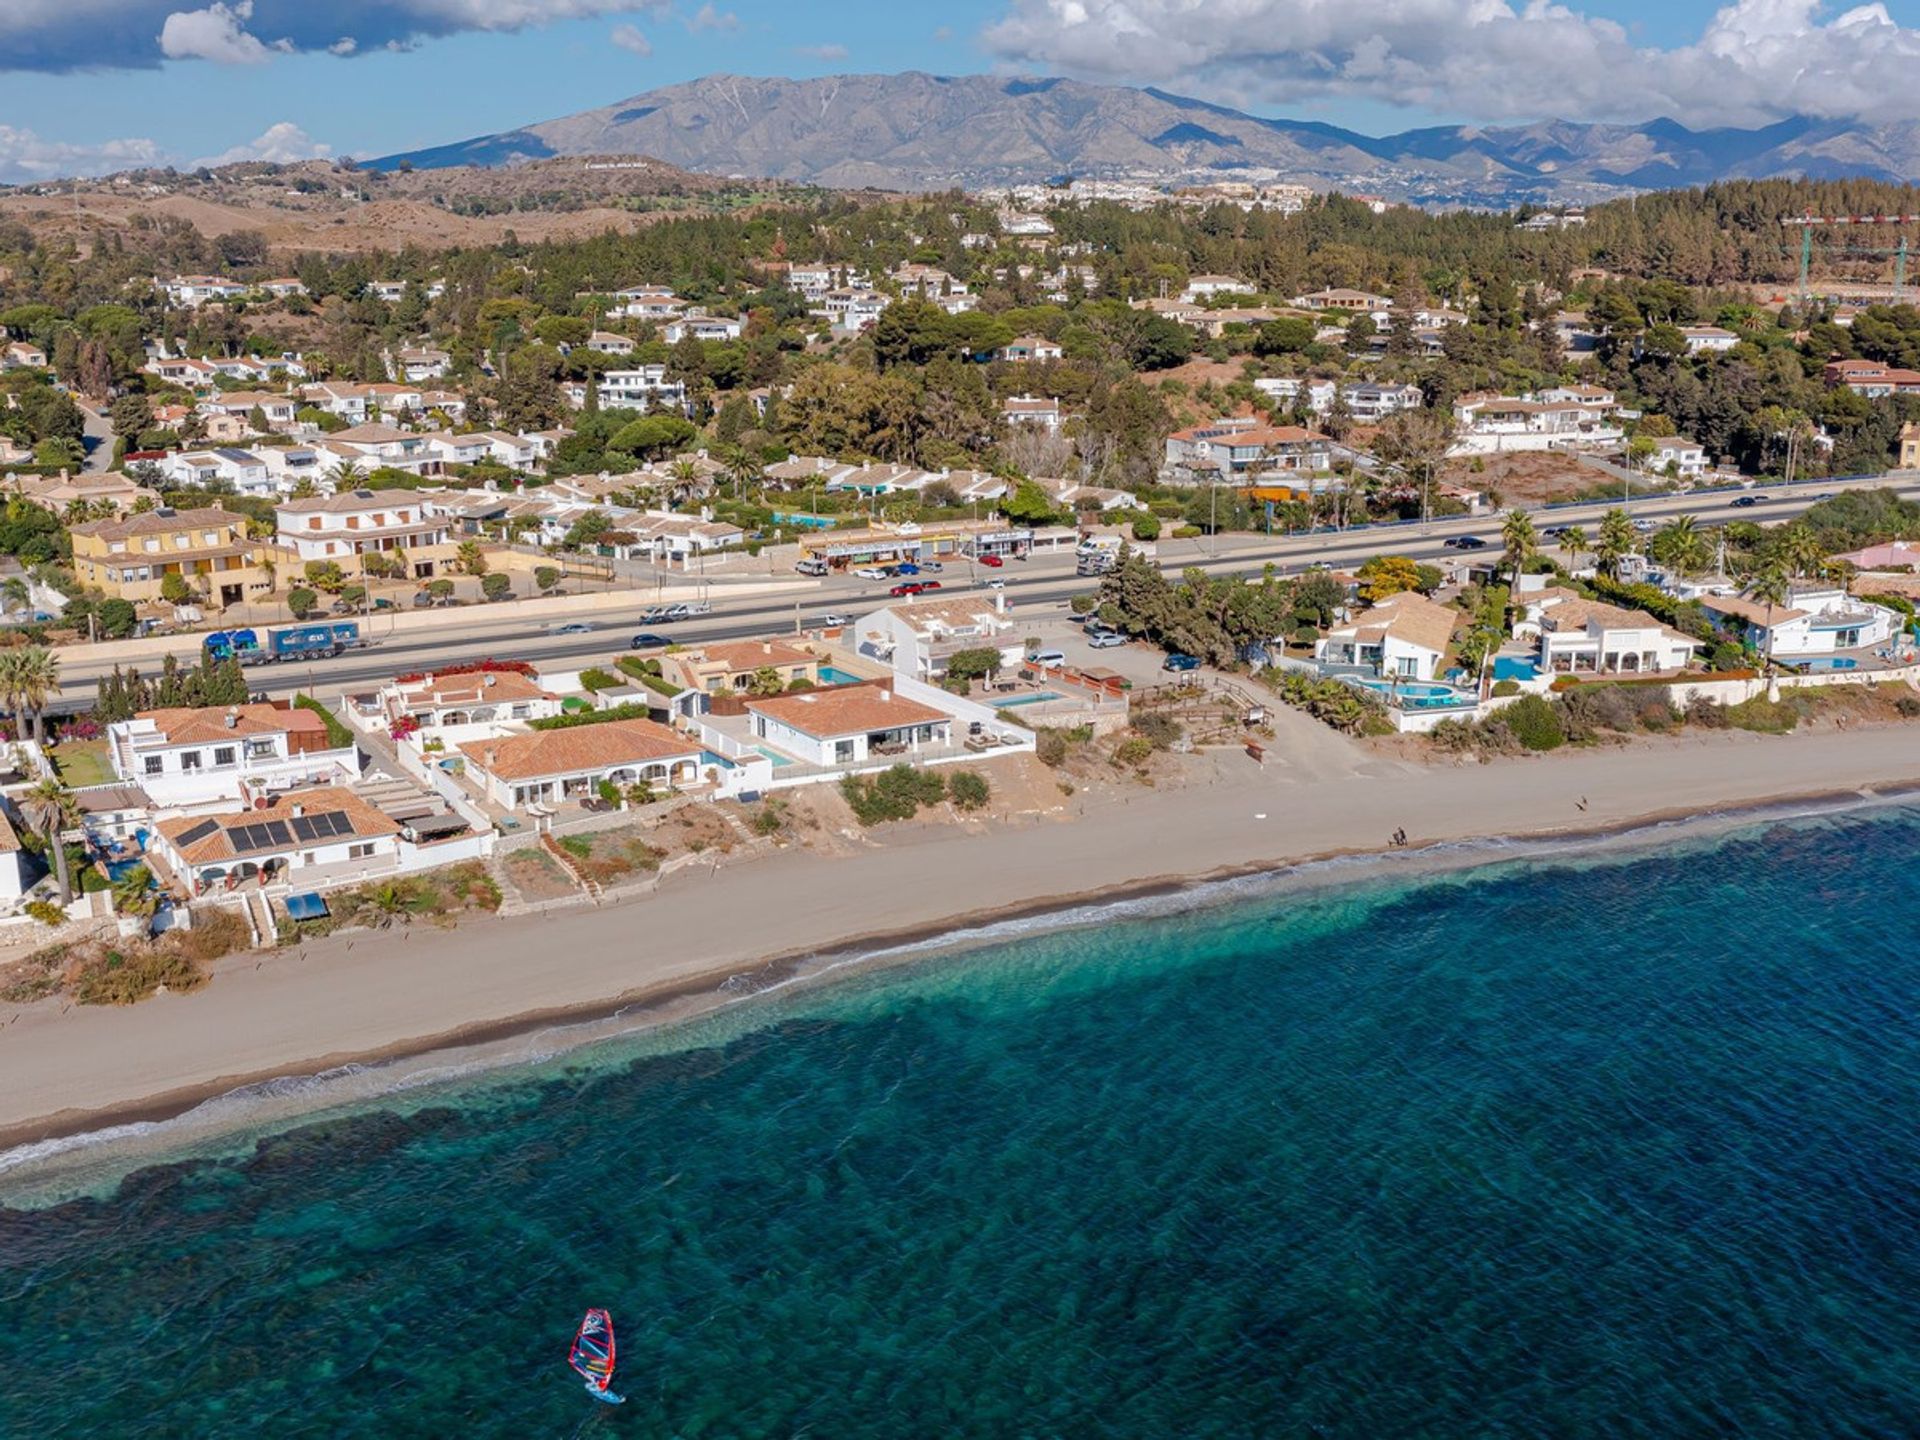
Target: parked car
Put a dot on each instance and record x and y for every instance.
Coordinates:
(931, 565)
(992, 562)
(870, 572)
(578, 627)
(1178, 661)
(1747, 502)
(648, 640)
(906, 568)
(1048, 659)
(1466, 542)
(1105, 639)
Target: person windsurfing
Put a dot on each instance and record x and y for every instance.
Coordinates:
(592, 1356)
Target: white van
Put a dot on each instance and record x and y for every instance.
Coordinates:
(812, 565)
(1048, 659)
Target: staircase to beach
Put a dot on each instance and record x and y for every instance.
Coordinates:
(570, 865)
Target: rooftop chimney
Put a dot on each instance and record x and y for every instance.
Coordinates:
(297, 811)
(233, 717)
(886, 694)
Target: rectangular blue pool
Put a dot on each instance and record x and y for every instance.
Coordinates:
(833, 675)
(1039, 698)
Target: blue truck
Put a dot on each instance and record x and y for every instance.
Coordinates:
(292, 642)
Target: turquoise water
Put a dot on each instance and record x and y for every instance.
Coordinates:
(1414, 695)
(1511, 667)
(1621, 1149)
(780, 762)
(1038, 698)
(834, 675)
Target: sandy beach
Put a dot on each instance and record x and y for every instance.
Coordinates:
(367, 994)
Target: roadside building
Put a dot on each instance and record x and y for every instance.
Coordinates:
(130, 557)
(361, 522)
(848, 725)
(551, 767)
(1404, 637)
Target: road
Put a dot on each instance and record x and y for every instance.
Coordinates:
(1037, 586)
(99, 439)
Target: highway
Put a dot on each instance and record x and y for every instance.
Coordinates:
(1038, 587)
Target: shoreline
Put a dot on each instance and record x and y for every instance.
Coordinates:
(706, 990)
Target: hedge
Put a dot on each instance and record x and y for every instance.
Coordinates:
(338, 735)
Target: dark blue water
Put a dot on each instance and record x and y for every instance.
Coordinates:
(1620, 1149)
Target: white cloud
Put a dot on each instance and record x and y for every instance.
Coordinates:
(66, 35)
(708, 18)
(829, 52)
(282, 144)
(217, 33)
(1754, 61)
(628, 37)
(25, 157)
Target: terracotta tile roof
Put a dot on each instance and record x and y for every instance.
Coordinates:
(489, 687)
(750, 654)
(231, 838)
(579, 749)
(846, 710)
(350, 502)
(159, 522)
(1409, 617)
(195, 725)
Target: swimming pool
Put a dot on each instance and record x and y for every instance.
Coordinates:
(1830, 662)
(1512, 667)
(780, 762)
(833, 675)
(1038, 698)
(1412, 695)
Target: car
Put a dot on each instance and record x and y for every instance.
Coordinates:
(578, 627)
(1466, 542)
(1177, 661)
(870, 572)
(648, 640)
(1747, 502)
(833, 618)
(906, 588)
(654, 615)
(992, 562)
(384, 604)
(1105, 639)
(929, 585)
(906, 568)
(996, 584)
(1048, 659)
(1646, 526)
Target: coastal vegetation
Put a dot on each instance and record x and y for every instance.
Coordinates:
(902, 791)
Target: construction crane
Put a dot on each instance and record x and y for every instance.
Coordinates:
(1807, 224)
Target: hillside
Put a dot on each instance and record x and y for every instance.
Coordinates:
(319, 205)
(916, 131)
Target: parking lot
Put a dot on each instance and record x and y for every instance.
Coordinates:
(1136, 660)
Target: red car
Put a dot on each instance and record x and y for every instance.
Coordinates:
(992, 562)
(913, 587)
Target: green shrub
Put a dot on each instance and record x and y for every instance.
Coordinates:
(1535, 723)
(495, 585)
(46, 912)
(968, 789)
(578, 846)
(589, 717)
(338, 735)
(1050, 747)
(1083, 604)
(1506, 687)
(1146, 528)
(596, 679)
(1158, 728)
(1134, 750)
(896, 793)
(545, 577)
(301, 600)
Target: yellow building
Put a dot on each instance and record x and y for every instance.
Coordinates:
(209, 548)
(1910, 446)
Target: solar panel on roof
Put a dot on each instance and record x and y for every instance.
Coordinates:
(197, 832)
(342, 825)
(303, 826)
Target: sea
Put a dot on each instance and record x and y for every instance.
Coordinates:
(1608, 1140)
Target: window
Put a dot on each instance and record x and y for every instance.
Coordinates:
(154, 765)
(222, 755)
(362, 851)
(313, 522)
(189, 759)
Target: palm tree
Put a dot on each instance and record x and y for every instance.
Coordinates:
(36, 676)
(51, 809)
(1573, 540)
(1800, 550)
(1770, 589)
(133, 893)
(1615, 542)
(1517, 535)
(686, 478)
(1681, 545)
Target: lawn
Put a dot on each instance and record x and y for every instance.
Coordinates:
(82, 763)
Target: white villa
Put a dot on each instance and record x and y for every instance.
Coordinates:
(1578, 636)
(186, 758)
(337, 527)
(916, 637)
(1404, 637)
(548, 767)
(848, 724)
(1816, 620)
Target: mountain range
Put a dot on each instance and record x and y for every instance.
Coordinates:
(915, 131)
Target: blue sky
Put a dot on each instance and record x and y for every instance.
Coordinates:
(92, 85)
